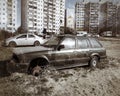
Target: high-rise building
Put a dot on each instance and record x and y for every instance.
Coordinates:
(70, 22)
(32, 15)
(9, 15)
(87, 17)
(109, 17)
(53, 15)
(92, 17)
(38, 15)
(97, 17)
(62, 12)
(118, 19)
(80, 16)
(3, 14)
(49, 15)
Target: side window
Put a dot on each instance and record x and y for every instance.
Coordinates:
(69, 43)
(95, 43)
(82, 43)
(31, 36)
(22, 36)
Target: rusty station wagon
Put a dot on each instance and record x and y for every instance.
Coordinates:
(61, 52)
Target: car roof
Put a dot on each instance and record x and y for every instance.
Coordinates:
(68, 35)
(24, 34)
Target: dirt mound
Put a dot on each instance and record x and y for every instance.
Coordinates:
(103, 81)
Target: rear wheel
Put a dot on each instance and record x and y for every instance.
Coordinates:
(94, 62)
(37, 43)
(12, 44)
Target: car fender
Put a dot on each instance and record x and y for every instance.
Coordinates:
(95, 54)
(37, 57)
(7, 42)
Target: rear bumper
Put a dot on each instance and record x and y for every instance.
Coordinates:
(103, 57)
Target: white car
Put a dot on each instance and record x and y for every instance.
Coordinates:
(24, 40)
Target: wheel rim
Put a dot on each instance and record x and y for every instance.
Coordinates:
(94, 63)
(36, 70)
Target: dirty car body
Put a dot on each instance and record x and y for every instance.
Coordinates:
(61, 52)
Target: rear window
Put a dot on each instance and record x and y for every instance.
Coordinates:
(95, 43)
(31, 36)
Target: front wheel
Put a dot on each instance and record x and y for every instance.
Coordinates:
(94, 62)
(12, 44)
(36, 66)
(36, 70)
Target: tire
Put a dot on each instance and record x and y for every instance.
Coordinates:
(94, 62)
(12, 44)
(37, 43)
(36, 71)
(36, 68)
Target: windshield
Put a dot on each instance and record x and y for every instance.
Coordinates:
(52, 42)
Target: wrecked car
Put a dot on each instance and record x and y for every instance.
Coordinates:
(61, 52)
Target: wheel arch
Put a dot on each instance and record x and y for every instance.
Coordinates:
(36, 41)
(95, 54)
(39, 58)
(11, 42)
(32, 63)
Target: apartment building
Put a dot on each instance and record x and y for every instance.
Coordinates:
(38, 15)
(32, 15)
(92, 17)
(3, 14)
(118, 19)
(70, 22)
(49, 15)
(80, 16)
(54, 15)
(9, 15)
(109, 17)
(62, 12)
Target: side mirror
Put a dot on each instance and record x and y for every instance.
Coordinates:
(61, 47)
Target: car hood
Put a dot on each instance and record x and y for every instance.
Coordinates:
(23, 50)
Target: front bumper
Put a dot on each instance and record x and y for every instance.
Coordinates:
(12, 66)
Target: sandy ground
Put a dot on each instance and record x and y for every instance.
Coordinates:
(103, 81)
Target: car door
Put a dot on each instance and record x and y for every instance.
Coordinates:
(64, 56)
(31, 39)
(21, 40)
(82, 51)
